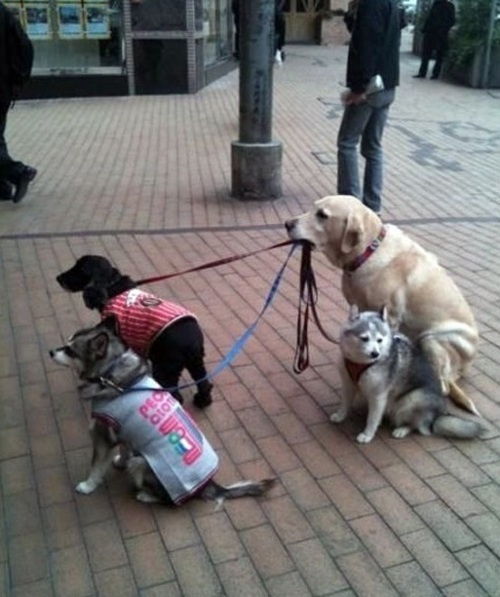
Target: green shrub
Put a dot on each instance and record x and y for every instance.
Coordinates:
(471, 32)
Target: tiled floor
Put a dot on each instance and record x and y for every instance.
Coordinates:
(146, 181)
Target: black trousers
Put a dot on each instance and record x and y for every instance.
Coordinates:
(10, 170)
(180, 346)
(433, 44)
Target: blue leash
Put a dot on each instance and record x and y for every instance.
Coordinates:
(242, 340)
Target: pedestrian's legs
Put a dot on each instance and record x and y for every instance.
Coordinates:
(352, 126)
(371, 148)
(440, 52)
(9, 169)
(427, 47)
(5, 158)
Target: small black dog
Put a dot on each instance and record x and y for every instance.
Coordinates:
(166, 333)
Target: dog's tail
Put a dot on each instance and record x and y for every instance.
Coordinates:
(219, 493)
(452, 426)
(460, 398)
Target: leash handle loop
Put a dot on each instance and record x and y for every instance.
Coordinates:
(308, 297)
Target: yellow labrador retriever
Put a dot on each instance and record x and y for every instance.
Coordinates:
(383, 266)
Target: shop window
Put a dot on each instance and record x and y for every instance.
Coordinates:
(80, 36)
(217, 19)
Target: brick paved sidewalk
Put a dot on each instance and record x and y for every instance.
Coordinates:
(145, 180)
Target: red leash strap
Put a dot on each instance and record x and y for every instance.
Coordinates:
(210, 264)
(308, 297)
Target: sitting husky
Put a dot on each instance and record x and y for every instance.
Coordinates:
(394, 376)
(172, 460)
(166, 333)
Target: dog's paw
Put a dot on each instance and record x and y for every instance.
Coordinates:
(86, 487)
(401, 432)
(146, 497)
(364, 438)
(120, 462)
(338, 416)
(202, 400)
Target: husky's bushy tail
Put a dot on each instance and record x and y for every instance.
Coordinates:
(214, 491)
(452, 426)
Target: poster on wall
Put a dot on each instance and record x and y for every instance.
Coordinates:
(38, 20)
(70, 20)
(97, 21)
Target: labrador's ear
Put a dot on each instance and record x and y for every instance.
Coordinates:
(353, 233)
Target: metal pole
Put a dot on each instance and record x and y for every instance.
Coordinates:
(256, 70)
(255, 157)
(489, 43)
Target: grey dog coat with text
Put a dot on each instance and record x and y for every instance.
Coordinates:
(150, 421)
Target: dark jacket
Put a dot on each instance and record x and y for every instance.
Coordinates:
(5, 83)
(374, 46)
(440, 19)
(10, 31)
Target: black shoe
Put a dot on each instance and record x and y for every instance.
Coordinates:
(434, 77)
(5, 191)
(419, 76)
(26, 176)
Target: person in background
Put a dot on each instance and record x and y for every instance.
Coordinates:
(235, 7)
(350, 14)
(372, 78)
(279, 32)
(436, 29)
(15, 176)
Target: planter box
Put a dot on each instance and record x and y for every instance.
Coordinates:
(472, 74)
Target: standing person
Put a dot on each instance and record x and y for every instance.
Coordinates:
(16, 58)
(235, 7)
(436, 29)
(279, 32)
(372, 78)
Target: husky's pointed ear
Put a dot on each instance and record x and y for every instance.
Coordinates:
(99, 345)
(353, 312)
(110, 322)
(383, 313)
(352, 235)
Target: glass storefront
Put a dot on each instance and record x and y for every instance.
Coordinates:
(77, 36)
(217, 31)
(119, 47)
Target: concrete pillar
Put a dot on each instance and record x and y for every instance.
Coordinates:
(255, 158)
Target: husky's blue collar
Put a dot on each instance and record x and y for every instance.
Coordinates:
(368, 252)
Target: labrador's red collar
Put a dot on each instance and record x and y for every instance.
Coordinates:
(368, 252)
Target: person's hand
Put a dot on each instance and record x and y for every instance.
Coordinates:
(354, 99)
